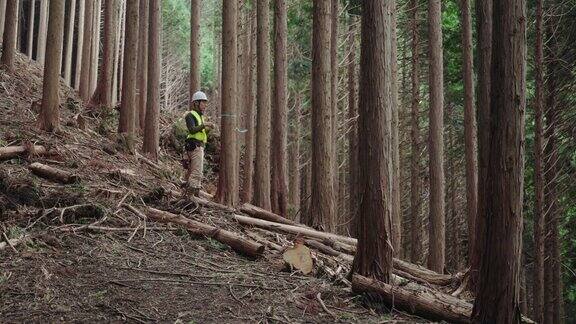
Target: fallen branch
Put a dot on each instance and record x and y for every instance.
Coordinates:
(52, 173)
(10, 152)
(236, 242)
(12, 242)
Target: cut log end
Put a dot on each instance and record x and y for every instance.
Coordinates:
(299, 257)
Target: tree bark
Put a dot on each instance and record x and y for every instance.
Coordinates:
(228, 179)
(437, 229)
(46, 171)
(79, 43)
(195, 11)
(415, 167)
(142, 63)
(151, 130)
(469, 125)
(497, 298)
(42, 32)
(87, 48)
(31, 19)
(128, 105)
(49, 118)
(262, 175)
(103, 93)
(69, 43)
(10, 33)
(374, 253)
(233, 240)
(539, 217)
(280, 110)
(249, 81)
(322, 207)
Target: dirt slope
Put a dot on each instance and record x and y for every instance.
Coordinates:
(127, 268)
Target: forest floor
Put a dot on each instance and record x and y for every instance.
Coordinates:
(125, 268)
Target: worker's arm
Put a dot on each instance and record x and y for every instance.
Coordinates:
(191, 124)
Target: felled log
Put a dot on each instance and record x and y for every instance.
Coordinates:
(417, 299)
(328, 250)
(304, 231)
(236, 242)
(260, 213)
(10, 152)
(52, 173)
(424, 275)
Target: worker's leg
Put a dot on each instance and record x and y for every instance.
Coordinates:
(197, 168)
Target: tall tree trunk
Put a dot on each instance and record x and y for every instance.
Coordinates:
(484, 32)
(249, 80)
(127, 122)
(151, 130)
(118, 49)
(87, 49)
(374, 253)
(415, 168)
(280, 110)
(31, 15)
(228, 179)
(396, 203)
(294, 162)
(9, 43)
(103, 94)
(322, 207)
(79, 43)
(539, 219)
(469, 125)
(353, 153)
(552, 294)
(437, 230)
(2, 18)
(97, 25)
(49, 118)
(42, 32)
(69, 43)
(497, 298)
(306, 193)
(262, 176)
(334, 100)
(142, 63)
(194, 46)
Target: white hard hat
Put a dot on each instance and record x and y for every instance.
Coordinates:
(199, 96)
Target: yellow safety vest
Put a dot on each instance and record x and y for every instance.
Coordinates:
(201, 136)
